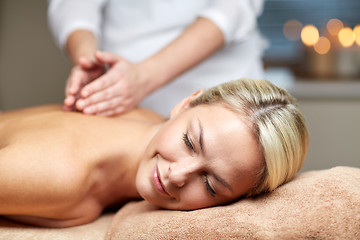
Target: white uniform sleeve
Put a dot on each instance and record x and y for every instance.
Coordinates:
(235, 18)
(66, 16)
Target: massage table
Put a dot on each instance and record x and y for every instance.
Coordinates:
(322, 204)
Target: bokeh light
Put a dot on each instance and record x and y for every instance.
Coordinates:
(357, 34)
(309, 35)
(292, 29)
(346, 37)
(322, 46)
(334, 26)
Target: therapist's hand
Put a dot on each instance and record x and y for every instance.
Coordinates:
(117, 91)
(83, 73)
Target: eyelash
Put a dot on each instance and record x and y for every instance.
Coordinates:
(191, 147)
(208, 187)
(187, 142)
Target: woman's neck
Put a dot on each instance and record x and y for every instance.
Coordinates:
(121, 177)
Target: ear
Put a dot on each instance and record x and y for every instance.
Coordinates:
(184, 104)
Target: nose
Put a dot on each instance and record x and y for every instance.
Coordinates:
(182, 171)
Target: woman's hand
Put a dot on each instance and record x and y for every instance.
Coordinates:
(85, 72)
(125, 84)
(117, 91)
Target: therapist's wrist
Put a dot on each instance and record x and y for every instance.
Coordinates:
(81, 43)
(75, 58)
(152, 74)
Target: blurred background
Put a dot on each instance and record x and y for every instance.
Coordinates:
(316, 40)
(313, 51)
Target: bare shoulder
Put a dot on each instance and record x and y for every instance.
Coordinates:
(41, 186)
(92, 214)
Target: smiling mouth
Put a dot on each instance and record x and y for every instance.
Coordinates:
(157, 180)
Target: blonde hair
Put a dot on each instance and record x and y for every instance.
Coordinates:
(278, 126)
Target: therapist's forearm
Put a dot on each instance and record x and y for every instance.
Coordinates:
(200, 40)
(81, 43)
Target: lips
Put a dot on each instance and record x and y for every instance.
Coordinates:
(157, 180)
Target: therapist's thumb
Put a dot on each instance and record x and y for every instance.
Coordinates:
(87, 63)
(107, 57)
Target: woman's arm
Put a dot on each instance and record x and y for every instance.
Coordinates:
(200, 40)
(75, 26)
(36, 190)
(223, 22)
(81, 43)
(81, 46)
(126, 84)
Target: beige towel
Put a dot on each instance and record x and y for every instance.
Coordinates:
(315, 205)
(92, 231)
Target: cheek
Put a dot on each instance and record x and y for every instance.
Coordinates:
(143, 178)
(195, 197)
(167, 143)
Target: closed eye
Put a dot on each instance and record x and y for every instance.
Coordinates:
(208, 187)
(188, 142)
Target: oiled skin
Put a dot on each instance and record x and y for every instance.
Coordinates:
(61, 169)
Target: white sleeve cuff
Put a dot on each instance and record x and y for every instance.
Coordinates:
(235, 18)
(66, 16)
(64, 33)
(221, 21)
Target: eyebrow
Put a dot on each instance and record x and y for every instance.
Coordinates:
(201, 134)
(202, 147)
(223, 182)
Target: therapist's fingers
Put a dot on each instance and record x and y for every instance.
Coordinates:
(117, 105)
(76, 80)
(86, 71)
(104, 95)
(69, 102)
(107, 57)
(113, 112)
(87, 63)
(103, 106)
(105, 81)
(120, 109)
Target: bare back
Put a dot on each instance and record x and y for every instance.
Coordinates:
(63, 168)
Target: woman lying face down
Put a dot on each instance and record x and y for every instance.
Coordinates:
(62, 169)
